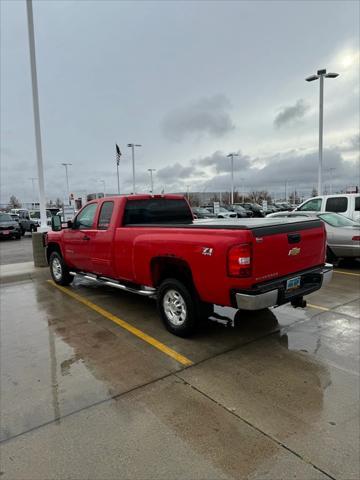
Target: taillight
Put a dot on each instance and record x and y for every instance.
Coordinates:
(356, 238)
(239, 261)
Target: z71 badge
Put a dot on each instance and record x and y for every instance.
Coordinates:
(207, 251)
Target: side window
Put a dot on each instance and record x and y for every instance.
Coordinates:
(105, 215)
(85, 219)
(311, 206)
(336, 204)
(357, 204)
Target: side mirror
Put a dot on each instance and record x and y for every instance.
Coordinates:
(70, 224)
(56, 223)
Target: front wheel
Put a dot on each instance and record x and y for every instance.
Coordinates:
(179, 308)
(58, 269)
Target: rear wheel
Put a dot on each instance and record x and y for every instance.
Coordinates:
(180, 309)
(58, 269)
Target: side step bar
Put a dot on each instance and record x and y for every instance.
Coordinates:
(144, 290)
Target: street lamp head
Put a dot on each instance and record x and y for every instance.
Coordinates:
(322, 71)
(130, 144)
(311, 78)
(331, 75)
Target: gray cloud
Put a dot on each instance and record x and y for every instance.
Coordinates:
(291, 114)
(221, 162)
(295, 167)
(208, 116)
(175, 172)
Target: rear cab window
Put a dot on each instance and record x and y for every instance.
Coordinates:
(105, 215)
(157, 210)
(336, 204)
(357, 204)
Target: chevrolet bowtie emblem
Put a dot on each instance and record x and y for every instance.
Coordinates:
(294, 251)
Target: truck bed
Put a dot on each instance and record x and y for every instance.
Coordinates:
(259, 226)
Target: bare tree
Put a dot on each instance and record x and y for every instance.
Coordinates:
(14, 202)
(194, 199)
(58, 203)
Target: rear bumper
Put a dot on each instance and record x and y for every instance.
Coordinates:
(274, 293)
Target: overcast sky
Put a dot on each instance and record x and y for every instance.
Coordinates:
(191, 81)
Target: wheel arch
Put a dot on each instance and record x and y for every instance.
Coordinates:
(170, 267)
(53, 247)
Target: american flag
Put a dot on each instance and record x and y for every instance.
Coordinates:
(118, 154)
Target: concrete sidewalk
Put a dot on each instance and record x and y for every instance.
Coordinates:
(16, 272)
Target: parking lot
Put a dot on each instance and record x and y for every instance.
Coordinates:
(93, 386)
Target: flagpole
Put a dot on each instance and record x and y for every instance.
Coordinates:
(118, 156)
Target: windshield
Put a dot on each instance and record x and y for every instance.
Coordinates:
(5, 217)
(336, 220)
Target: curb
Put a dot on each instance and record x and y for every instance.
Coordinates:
(18, 272)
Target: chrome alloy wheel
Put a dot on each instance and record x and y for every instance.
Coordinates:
(56, 268)
(174, 307)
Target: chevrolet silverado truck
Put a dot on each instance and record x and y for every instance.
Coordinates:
(152, 246)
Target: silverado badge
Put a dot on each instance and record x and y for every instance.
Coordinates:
(294, 251)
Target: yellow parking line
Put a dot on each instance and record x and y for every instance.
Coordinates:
(318, 307)
(347, 273)
(135, 331)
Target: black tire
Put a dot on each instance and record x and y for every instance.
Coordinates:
(185, 312)
(22, 232)
(59, 271)
(18, 236)
(33, 228)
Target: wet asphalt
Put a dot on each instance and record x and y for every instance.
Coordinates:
(276, 396)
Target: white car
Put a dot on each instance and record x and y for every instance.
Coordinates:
(348, 204)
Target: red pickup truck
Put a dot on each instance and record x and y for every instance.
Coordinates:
(151, 245)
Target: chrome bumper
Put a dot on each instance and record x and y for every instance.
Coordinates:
(258, 301)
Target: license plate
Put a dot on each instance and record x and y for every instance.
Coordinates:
(293, 283)
(6, 232)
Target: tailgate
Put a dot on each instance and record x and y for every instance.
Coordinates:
(286, 248)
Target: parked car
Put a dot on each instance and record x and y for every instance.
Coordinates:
(35, 216)
(343, 234)
(151, 246)
(283, 206)
(200, 212)
(254, 208)
(346, 204)
(240, 211)
(222, 212)
(9, 228)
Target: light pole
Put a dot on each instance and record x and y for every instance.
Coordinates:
(321, 74)
(243, 189)
(232, 155)
(66, 165)
(132, 146)
(151, 170)
(35, 95)
(33, 190)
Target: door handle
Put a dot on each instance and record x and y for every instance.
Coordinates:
(85, 237)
